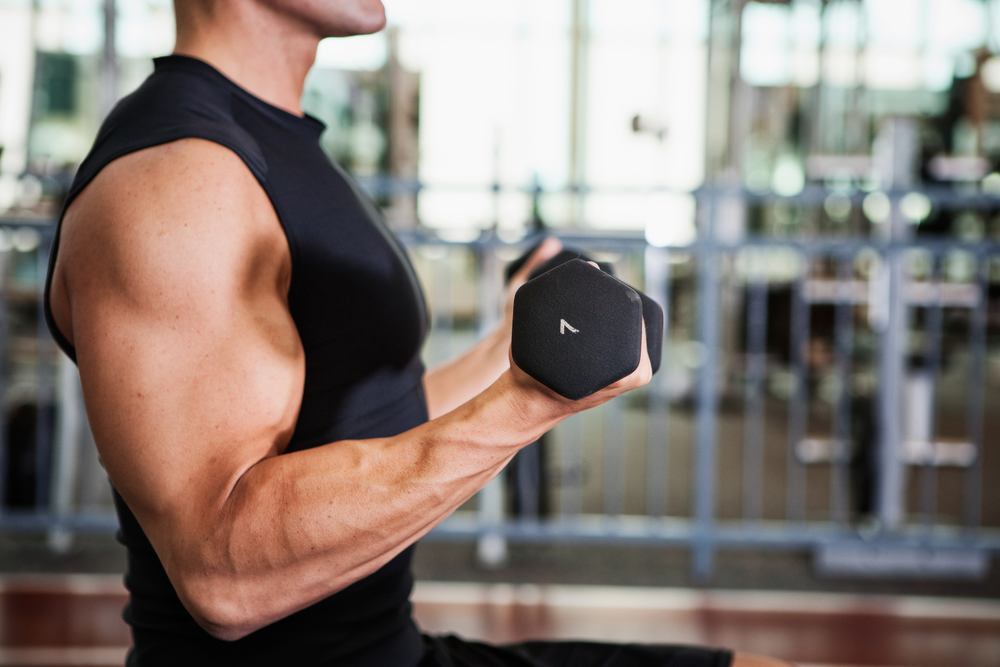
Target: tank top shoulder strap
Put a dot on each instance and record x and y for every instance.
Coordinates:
(107, 150)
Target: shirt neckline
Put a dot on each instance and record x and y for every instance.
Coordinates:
(305, 121)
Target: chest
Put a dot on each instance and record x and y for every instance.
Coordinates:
(354, 295)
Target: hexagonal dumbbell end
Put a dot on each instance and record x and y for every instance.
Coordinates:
(576, 329)
(652, 315)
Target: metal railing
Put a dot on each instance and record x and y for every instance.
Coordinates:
(809, 388)
(822, 394)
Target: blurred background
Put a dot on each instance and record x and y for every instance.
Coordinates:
(811, 188)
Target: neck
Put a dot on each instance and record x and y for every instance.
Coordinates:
(266, 54)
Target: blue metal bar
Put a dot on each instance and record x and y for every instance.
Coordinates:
(977, 384)
(928, 473)
(704, 533)
(491, 548)
(754, 393)
(44, 226)
(597, 530)
(798, 409)
(658, 416)
(635, 241)
(705, 428)
(614, 451)
(763, 535)
(444, 317)
(572, 431)
(889, 492)
(40, 522)
(44, 395)
(945, 197)
(4, 351)
(843, 342)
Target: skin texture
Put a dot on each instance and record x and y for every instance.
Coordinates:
(171, 283)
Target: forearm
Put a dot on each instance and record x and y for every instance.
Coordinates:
(454, 382)
(302, 526)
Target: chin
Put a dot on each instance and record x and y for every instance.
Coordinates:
(333, 18)
(340, 18)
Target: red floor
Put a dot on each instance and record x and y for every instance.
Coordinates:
(76, 621)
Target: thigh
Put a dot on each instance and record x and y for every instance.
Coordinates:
(598, 654)
(452, 651)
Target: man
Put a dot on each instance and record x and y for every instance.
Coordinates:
(248, 335)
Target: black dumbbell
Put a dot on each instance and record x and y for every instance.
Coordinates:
(560, 257)
(577, 329)
(651, 311)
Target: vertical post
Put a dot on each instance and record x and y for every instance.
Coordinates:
(443, 320)
(722, 50)
(613, 491)
(705, 424)
(895, 152)
(574, 442)
(44, 396)
(69, 427)
(109, 58)
(843, 343)
(889, 498)
(579, 57)
(4, 445)
(927, 380)
(657, 278)
(755, 390)
(740, 121)
(491, 548)
(973, 485)
(798, 410)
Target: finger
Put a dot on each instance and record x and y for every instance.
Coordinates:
(645, 364)
(548, 249)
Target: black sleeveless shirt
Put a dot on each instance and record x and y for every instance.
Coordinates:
(361, 317)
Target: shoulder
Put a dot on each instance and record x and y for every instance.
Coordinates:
(177, 214)
(169, 187)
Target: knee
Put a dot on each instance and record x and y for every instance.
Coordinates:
(745, 660)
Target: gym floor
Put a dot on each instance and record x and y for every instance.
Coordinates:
(76, 620)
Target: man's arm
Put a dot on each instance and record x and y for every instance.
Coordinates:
(456, 381)
(174, 272)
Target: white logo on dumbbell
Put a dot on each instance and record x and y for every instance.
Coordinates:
(563, 325)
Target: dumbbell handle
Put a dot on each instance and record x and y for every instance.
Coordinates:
(563, 256)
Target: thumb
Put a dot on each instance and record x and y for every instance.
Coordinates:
(548, 249)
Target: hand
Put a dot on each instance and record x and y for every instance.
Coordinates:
(549, 248)
(537, 401)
